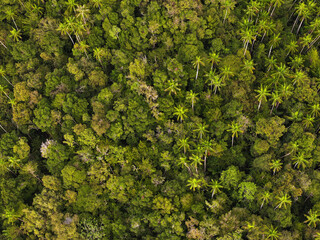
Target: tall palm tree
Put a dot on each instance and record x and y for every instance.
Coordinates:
(276, 3)
(196, 160)
(207, 146)
(312, 218)
(173, 87)
(214, 80)
(249, 66)
(296, 62)
(299, 77)
(15, 34)
(83, 12)
(271, 63)
(281, 72)
(201, 129)
(263, 92)
(274, 42)
(215, 187)
(83, 46)
(183, 161)
(276, 100)
(292, 47)
(192, 97)
(306, 13)
(308, 121)
(315, 110)
(99, 53)
(275, 165)
(283, 201)
(265, 197)
(226, 73)
(194, 183)
(248, 35)
(10, 15)
(214, 59)
(235, 129)
(64, 29)
(3, 74)
(305, 41)
(196, 64)
(300, 160)
(227, 5)
(272, 233)
(71, 6)
(286, 90)
(184, 143)
(180, 112)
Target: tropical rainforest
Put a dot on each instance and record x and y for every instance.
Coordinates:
(159, 119)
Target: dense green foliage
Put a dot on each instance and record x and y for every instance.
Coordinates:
(159, 119)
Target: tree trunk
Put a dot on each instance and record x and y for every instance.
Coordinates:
(70, 38)
(197, 71)
(270, 51)
(3, 44)
(15, 23)
(300, 25)
(3, 128)
(295, 22)
(225, 16)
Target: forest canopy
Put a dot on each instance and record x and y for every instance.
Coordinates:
(159, 119)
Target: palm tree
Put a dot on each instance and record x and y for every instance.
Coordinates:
(226, 73)
(249, 66)
(184, 143)
(271, 63)
(274, 42)
(3, 45)
(3, 74)
(96, 3)
(173, 87)
(276, 3)
(215, 187)
(265, 197)
(284, 200)
(272, 233)
(180, 112)
(263, 92)
(71, 6)
(64, 29)
(192, 97)
(292, 47)
(296, 62)
(207, 146)
(99, 53)
(183, 161)
(248, 35)
(194, 183)
(281, 72)
(215, 81)
(308, 121)
(10, 15)
(2, 90)
(300, 160)
(276, 100)
(299, 77)
(201, 129)
(312, 218)
(196, 64)
(275, 166)
(15, 34)
(286, 90)
(315, 110)
(214, 59)
(83, 12)
(234, 128)
(293, 148)
(83, 48)
(253, 9)
(196, 160)
(228, 5)
(305, 41)
(306, 12)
